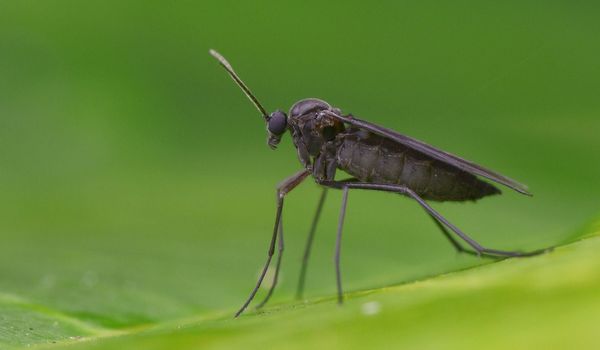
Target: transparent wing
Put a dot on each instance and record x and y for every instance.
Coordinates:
(433, 152)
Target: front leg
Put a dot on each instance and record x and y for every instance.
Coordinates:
(282, 190)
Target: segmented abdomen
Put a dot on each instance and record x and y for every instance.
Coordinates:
(373, 158)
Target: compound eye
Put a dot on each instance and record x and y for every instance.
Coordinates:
(277, 123)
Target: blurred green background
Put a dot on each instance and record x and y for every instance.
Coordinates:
(136, 185)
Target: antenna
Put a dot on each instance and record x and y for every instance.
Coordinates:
(240, 83)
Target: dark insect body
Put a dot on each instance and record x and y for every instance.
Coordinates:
(379, 159)
(372, 158)
(376, 159)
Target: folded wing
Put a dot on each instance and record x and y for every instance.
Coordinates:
(433, 152)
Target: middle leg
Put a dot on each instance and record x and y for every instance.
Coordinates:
(338, 245)
(309, 241)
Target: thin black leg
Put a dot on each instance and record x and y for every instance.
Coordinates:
(280, 247)
(338, 245)
(282, 189)
(309, 241)
(478, 247)
(457, 246)
(437, 216)
(269, 257)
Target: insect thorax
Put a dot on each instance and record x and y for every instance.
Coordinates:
(310, 130)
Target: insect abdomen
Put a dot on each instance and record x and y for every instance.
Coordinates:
(375, 159)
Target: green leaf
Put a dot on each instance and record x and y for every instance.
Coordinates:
(136, 189)
(549, 301)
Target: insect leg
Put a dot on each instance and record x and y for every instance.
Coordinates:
(338, 245)
(309, 241)
(282, 189)
(280, 246)
(457, 246)
(437, 216)
(478, 247)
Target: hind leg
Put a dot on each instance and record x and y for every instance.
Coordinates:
(443, 222)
